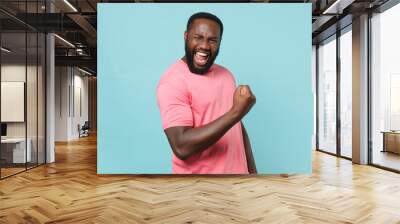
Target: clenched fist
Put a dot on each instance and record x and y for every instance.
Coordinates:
(243, 100)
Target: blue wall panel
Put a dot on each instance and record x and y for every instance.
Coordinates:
(267, 46)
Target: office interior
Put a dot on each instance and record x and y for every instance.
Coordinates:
(49, 74)
(47, 81)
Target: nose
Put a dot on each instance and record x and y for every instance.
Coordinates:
(204, 45)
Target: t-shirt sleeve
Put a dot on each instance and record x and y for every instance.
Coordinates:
(174, 104)
(233, 79)
(230, 76)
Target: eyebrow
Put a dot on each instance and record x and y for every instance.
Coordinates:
(200, 35)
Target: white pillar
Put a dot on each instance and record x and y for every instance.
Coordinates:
(50, 91)
(50, 82)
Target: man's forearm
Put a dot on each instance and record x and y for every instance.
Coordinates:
(189, 141)
(251, 165)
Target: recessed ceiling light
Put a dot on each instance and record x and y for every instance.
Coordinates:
(84, 71)
(65, 41)
(337, 7)
(70, 5)
(5, 50)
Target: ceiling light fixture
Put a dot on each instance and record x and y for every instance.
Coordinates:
(84, 71)
(65, 41)
(337, 7)
(5, 50)
(79, 51)
(70, 5)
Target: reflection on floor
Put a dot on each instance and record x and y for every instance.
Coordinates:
(13, 169)
(386, 159)
(10, 171)
(346, 152)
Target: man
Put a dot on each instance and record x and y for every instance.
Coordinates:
(201, 108)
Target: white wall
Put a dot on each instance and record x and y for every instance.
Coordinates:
(80, 110)
(71, 93)
(9, 73)
(15, 72)
(62, 81)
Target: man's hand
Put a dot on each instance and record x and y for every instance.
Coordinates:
(243, 100)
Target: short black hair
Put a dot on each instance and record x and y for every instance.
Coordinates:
(205, 15)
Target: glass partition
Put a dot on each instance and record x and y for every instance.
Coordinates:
(22, 77)
(14, 153)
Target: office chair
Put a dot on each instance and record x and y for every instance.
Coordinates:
(84, 130)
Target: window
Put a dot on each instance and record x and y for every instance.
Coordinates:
(346, 93)
(327, 95)
(385, 88)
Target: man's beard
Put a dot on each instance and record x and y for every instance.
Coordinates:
(189, 59)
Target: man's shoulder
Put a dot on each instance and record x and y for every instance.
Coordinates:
(219, 69)
(173, 77)
(172, 72)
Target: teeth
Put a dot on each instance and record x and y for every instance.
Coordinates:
(202, 54)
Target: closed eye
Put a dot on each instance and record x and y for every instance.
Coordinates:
(214, 40)
(197, 37)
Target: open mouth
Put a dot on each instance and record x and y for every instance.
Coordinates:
(201, 58)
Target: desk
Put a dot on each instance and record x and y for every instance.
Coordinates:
(15, 148)
(391, 141)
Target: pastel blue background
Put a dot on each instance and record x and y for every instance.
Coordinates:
(267, 46)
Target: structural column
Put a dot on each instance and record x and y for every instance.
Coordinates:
(360, 90)
(50, 92)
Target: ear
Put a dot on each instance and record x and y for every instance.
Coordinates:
(185, 35)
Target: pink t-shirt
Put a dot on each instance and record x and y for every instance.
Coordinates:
(187, 99)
